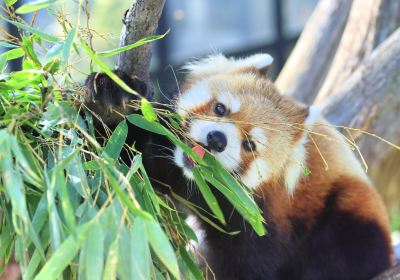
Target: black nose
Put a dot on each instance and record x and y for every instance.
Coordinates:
(216, 141)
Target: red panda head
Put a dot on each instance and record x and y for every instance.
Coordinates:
(235, 112)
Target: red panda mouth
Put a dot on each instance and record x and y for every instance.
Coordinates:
(198, 149)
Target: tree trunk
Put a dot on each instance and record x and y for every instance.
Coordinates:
(359, 87)
(304, 72)
(370, 99)
(370, 22)
(141, 20)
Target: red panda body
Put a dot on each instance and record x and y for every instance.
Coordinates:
(329, 224)
(333, 226)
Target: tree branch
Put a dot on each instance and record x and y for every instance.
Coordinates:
(309, 62)
(370, 99)
(370, 22)
(141, 20)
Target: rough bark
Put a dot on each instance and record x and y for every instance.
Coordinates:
(369, 23)
(141, 20)
(370, 93)
(370, 99)
(307, 65)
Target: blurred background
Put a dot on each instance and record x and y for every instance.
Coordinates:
(197, 28)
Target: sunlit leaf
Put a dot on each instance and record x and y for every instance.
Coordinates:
(148, 111)
(208, 196)
(68, 44)
(117, 140)
(34, 5)
(65, 254)
(162, 247)
(134, 45)
(41, 34)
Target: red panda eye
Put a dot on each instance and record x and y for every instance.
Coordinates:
(220, 110)
(249, 146)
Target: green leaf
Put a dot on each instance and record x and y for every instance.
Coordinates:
(143, 123)
(10, 2)
(191, 264)
(117, 140)
(65, 254)
(245, 208)
(148, 110)
(33, 6)
(68, 44)
(25, 27)
(134, 45)
(162, 247)
(13, 54)
(8, 45)
(94, 252)
(52, 66)
(208, 196)
(107, 70)
(110, 269)
(3, 61)
(157, 128)
(140, 251)
(26, 44)
(55, 50)
(24, 78)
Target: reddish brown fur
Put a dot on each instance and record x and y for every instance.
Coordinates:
(283, 119)
(357, 196)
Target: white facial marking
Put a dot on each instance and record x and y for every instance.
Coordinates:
(297, 160)
(197, 95)
(295, 167)
(256, 174)
(230, 101)
(313, 114)
(259, 137)
(178, 158)
(229, 158)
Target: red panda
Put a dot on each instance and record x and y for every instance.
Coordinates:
(327, 223)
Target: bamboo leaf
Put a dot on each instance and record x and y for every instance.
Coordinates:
(8, 45)
(10, 2)
(65, 254)
(191, 264)
(68, 44)
(117, 140)
(94, 249)
(13, 54)
(148, 111)
(33, 6)
(134, 45)
(140, 251)
(110, 269)
(208, 196)
(25, 27)
(161, 246)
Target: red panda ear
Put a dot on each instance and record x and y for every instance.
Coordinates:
(218, 64)
(261, 62)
